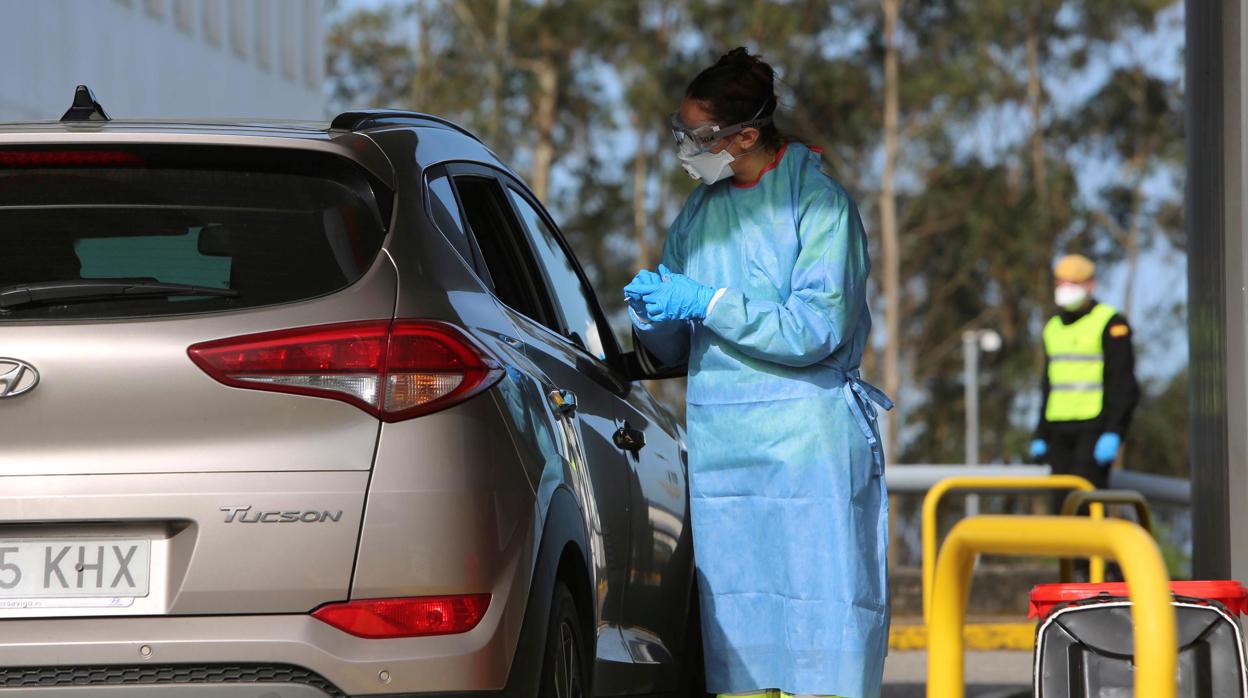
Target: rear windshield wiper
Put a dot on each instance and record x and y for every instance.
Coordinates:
(86, 290)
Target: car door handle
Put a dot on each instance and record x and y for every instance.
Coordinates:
(629, 439)
(563, 402)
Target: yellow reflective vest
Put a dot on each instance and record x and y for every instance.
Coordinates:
(1076, 365)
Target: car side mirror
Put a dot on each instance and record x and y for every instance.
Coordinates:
(640, 364)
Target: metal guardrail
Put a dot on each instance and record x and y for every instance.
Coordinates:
(931, 501)
(1143, 514)
(1075, 501)
(1148, 584)
(1155, 488)
(919, 478)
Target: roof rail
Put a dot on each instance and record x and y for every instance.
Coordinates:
(368, 118)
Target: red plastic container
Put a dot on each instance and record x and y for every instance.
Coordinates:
(1229, 593)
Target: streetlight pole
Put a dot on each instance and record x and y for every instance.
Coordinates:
(972, 342)
(970, 386)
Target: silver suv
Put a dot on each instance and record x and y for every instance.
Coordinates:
(288, 410)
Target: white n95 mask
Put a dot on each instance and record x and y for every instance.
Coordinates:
(708, 167)
(1070, 296)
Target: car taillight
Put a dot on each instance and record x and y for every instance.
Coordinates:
(391, 369)
(410, 617)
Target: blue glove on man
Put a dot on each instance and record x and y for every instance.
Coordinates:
(1039, 449)
(1106, 448)
(632, 293)
(676, 297)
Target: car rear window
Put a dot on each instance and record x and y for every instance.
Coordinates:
(259, 227)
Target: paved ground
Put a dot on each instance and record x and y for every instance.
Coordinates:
(998, 674)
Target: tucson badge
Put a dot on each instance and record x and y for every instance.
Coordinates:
(244, 514)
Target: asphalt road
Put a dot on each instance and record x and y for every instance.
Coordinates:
(1000, 674)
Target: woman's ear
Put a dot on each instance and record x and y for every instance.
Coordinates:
(747, 140)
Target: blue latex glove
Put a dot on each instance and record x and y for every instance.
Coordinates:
(1107, 448)
(633, 292)
(1039, 449)
(678, 297)
(641, 283)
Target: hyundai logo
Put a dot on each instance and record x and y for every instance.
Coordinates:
(16, 377)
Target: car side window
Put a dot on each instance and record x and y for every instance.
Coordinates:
(570, 294)
(506, 256)
(444, 209)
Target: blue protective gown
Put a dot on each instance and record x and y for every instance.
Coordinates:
(786, 476)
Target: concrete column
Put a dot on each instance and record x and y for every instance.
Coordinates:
(1218, 311)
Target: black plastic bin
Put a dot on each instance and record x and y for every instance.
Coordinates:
(1085, 648)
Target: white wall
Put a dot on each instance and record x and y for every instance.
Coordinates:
(163, 58)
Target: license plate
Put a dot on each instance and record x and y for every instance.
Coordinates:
(47, 568)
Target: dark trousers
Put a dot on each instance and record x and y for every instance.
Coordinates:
(1070, 453)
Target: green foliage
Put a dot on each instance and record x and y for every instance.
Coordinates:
(1007, 108)
(1159, 442)
(367, 57)
(977, 253)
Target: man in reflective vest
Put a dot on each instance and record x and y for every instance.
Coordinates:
(1089, 382)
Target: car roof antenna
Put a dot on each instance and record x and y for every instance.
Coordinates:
(85, 108)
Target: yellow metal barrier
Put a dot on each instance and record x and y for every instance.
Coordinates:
(932, 500)
(1156, 643)
(1075, 501)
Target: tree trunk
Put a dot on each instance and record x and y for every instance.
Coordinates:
(1132, 247)
(545, 70)
(889, 235)
(891, 245)
(418, 94)
(663, 194)
(1035, 105)
(547, 74)
(502, 19)
(1138, 166)
(641, 174)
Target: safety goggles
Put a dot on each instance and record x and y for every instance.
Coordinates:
(694, 140)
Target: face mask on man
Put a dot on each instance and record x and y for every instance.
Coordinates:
(1070, 296)
(708, 167)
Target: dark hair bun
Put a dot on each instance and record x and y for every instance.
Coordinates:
(737, 88)
(740, 59)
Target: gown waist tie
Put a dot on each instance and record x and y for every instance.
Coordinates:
(862, 398)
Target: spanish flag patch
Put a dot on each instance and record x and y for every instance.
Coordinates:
(1119, 330)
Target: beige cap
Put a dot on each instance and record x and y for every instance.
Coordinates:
(1074, 268)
